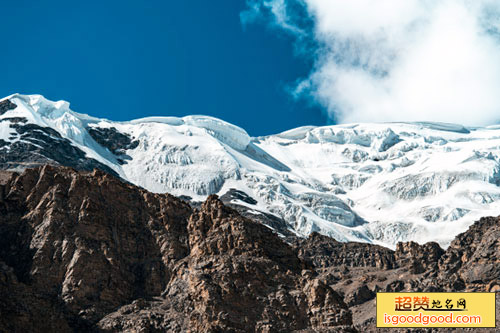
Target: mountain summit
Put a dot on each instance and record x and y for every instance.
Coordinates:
(376, 183)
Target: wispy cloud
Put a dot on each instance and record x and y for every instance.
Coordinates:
(395, 60)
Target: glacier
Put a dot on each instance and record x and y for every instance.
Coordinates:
(380, 183)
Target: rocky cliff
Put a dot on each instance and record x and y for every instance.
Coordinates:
(84, 251)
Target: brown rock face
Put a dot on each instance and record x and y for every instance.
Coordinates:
(474, 255)
(240, 277)
(418, 258)
(87, 241)
(326, 252)
(357, 271)
(87, 252)
(84, 251)
(21, 304)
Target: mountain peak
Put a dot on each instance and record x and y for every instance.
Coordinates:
(380, 183)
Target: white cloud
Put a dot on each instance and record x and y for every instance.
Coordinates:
(401, 60)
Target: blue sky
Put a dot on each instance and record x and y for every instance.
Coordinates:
(393, 60)
(128, 59)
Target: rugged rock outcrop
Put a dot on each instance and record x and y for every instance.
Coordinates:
(85, 251)
(32, 145)
(326, 252)
(6, 105)
(89, 243)
(238, 277)
(418, 258)
(474, 256)
(357, 271)
(116, 142)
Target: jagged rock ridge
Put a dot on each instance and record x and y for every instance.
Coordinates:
(84, 251)
(98, 254)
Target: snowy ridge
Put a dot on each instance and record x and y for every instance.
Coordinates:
(379, 183)
(225, 132)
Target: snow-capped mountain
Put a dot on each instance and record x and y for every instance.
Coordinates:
(379, 183)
